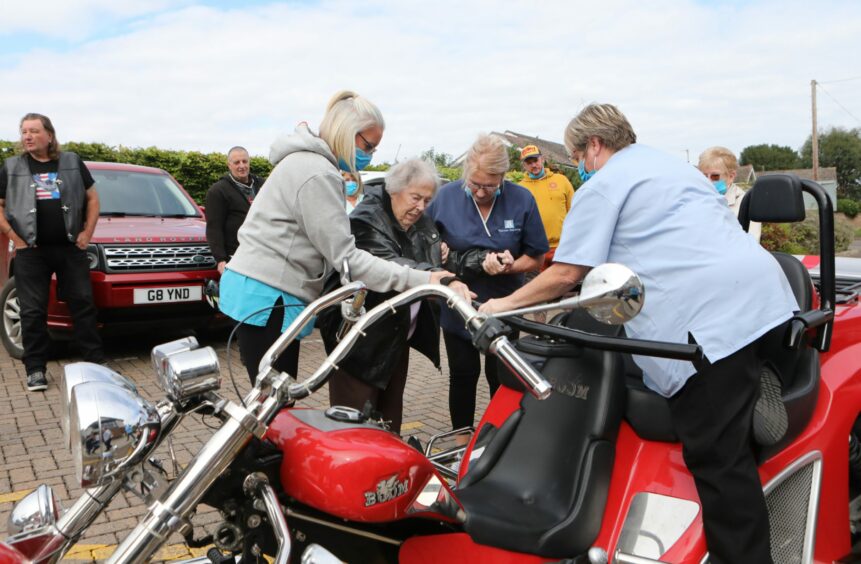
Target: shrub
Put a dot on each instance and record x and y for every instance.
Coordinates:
(803, 238)
(849, 207)
(775, 236)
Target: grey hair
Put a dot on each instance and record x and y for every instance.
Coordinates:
(410, 172)
(720, 155)
(603, 121)
(489, 154)
(346, 115)
(236, 148)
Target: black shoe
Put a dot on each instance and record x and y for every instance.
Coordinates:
(36, 381)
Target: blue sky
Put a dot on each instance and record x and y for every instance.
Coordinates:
(208, 75)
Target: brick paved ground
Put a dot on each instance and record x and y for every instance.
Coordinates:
(30, 437)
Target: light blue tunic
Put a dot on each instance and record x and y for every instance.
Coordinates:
(240, 296)
(703, 274)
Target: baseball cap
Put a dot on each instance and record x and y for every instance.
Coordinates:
(529, 151)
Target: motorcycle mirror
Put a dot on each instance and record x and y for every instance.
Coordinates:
(39, 508)
(78, 373)
(611, 293)
(111, 426)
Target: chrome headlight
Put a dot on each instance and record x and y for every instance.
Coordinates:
(78, 373)
(160, 353)
(191, 373)
(39, 508)
(111, 428)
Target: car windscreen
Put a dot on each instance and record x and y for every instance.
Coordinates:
(139, 193)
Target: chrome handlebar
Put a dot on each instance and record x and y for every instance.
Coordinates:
(270, 391)
(534, 382)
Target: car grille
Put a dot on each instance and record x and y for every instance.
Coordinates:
(158, 257)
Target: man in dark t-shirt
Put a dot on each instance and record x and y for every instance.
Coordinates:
(59, 188)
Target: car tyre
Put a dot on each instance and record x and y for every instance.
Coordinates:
(10, 328)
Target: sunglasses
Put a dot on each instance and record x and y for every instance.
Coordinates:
(714, 176)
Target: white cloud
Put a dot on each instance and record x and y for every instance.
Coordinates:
(688, 75)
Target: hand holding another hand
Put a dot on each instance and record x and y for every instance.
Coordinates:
(497, 263)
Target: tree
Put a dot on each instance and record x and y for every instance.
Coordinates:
(840, 148)
(441, 160)
(770, 157)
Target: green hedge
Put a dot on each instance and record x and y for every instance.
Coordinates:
(849, 207)
(196, 171)
(802, 238)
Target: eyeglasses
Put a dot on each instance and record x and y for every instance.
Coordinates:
(486, 187)
(370, 148)
(713, 176)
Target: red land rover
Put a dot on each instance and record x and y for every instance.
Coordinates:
(149, 260)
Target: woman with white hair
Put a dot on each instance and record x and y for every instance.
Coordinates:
(297, 231)
(494, 232)
(391, 225)
(720, 166)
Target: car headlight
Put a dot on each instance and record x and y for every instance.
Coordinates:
(111, 428)
(93, 257)
(78, 373)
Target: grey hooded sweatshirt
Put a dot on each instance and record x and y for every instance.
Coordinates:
(297, 231)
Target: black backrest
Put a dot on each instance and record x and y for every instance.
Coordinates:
(799, 279)
(776, 198)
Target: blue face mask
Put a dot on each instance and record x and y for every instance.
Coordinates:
(363, 159)
(538, 176)
(581, 168)
(720, 186)
(351, 187)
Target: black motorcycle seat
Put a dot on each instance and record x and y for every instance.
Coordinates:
(648, 413)
(546, 493)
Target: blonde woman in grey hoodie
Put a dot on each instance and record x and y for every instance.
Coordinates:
(297, 231)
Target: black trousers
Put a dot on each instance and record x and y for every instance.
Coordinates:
(712, 415)
(33, 269)
(346, 389)
(254, 341)
(464, 363)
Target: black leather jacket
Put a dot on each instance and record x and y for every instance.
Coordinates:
(377, 231)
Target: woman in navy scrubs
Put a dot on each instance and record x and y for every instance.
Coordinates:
(494, 235)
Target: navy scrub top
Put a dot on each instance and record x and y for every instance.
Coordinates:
(514, 224)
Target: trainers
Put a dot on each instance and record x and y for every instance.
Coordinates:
(36, 381)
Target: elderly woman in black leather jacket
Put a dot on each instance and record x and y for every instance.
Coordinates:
(390, 224)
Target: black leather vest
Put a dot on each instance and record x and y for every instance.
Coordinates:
(21, 197)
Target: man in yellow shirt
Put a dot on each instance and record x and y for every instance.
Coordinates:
(552, 192)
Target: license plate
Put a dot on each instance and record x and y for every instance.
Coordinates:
(168, 295)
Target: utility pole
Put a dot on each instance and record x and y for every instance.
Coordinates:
(814, 145)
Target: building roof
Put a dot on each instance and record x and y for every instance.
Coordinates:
(551, 150)
(745, 175)
(825, 173)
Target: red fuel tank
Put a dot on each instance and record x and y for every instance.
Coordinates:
(356, 471)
